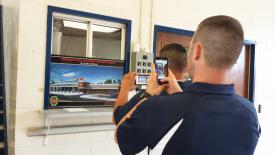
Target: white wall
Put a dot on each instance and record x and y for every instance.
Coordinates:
(257, 17)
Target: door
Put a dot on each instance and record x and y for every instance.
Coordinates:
(240, 72)
(164, 38)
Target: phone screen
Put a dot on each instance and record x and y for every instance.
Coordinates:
(142, 79)
(161, 68)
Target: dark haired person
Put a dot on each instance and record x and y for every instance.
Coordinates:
(177, 58)
(208, 118)
(177, 62)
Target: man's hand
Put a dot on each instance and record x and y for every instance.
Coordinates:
(128, 81)
(153, 88)
(172, 86)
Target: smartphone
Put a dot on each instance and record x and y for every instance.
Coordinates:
(142, 79)
(161, 65)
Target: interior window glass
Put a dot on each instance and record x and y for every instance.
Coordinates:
(106, 42)
(69, 38)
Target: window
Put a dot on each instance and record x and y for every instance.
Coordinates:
(87, 37)
(87, 54)
(69, 37)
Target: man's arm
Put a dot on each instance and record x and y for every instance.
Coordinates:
(133, 132)
(121, 111)
(153, 88)
(127, 84)
(133, 135)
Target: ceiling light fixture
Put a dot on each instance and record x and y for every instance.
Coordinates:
(104, 29)
(75, 25)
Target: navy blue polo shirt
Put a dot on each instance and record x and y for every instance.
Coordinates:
(216, 121)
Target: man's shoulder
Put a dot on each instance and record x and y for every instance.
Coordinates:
(246, 104)
(173, 97)
(165, 102)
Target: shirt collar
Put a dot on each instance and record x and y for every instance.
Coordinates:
(199, 87)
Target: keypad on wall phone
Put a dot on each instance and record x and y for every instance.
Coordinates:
(141, 62)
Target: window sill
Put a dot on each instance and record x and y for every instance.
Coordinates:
(74, 120)
(70, 129)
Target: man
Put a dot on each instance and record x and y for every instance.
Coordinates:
(211, 119)
(177, 61)
(177, 58)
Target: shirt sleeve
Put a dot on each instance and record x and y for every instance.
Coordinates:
(133, 135)
(121, 111)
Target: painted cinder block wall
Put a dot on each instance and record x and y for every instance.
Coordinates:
(257, 17)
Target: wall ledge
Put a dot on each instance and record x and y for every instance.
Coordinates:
(70, 129)
(99, 119)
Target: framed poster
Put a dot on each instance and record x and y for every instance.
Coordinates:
(78, 82)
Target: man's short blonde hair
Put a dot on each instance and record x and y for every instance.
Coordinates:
(222, 40)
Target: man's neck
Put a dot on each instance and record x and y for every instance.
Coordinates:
(179, 76)
(212, 76)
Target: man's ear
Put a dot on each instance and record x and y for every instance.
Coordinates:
(197, 52)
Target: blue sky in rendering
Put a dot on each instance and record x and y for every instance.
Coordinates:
(92, 74)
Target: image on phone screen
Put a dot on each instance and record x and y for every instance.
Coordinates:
(161, 68)
(142, 79)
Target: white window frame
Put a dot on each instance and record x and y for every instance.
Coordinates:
(91, 22)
